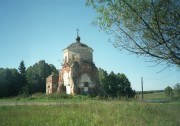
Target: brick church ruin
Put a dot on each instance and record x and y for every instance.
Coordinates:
(78, 75)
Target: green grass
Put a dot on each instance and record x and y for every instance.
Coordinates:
(154, 96)
(40, 97)
(92, 113)
(86, 111)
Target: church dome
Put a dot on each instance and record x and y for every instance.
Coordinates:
(73, 45)
(78, 44)
(78, 51)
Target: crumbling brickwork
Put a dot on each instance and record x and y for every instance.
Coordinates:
(52, 83)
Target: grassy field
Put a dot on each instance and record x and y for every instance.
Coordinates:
(83, 111)
(92, 113)
(154, 96)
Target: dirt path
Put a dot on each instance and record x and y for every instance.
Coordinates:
(33, 103)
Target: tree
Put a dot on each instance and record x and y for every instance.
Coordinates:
(22, 69)
(102, 78)
(125, 86)
(23, 81)
(169, 91)
(9, 82)
(148, 27)
(37, 74)
(112, 84)
(115, 84)
(177, 90)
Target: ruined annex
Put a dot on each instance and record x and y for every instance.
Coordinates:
(78, 74)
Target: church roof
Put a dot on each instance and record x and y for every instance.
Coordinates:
(78, 44)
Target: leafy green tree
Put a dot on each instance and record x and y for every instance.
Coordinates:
(3, 83)
(103, 78)
(37, 74)
(13, 78)
(146, 27)
(169, 91)
(177, 90)
(112, 84)
(115, 84)
(125, 86)
(9, 82)
(13, 82)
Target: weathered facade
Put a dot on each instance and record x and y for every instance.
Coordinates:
(52, 83)
(78, 75)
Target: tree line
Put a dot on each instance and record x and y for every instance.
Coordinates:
(173, 93)
(24, 81)
(28, 81)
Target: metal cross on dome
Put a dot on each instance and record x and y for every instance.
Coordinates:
(77, 32)
(78, 38)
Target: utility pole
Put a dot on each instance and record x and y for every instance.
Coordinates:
(142, 87)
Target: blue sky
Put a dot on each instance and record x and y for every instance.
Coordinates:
(33, 30)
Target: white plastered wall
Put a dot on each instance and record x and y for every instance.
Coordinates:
(85, 78)
(78, 53)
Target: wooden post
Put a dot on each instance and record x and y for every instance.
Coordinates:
(142, 87)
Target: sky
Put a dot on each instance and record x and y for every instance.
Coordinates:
(33, 30)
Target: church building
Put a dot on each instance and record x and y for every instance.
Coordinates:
(78, 74)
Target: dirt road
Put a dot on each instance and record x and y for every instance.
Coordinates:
(33, 103)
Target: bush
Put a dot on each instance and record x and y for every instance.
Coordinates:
(177, 90)
(59, 96)
(82, 97)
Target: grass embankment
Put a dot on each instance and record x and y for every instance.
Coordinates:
(92, 113)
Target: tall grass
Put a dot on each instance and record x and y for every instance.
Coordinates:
(92, 113)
